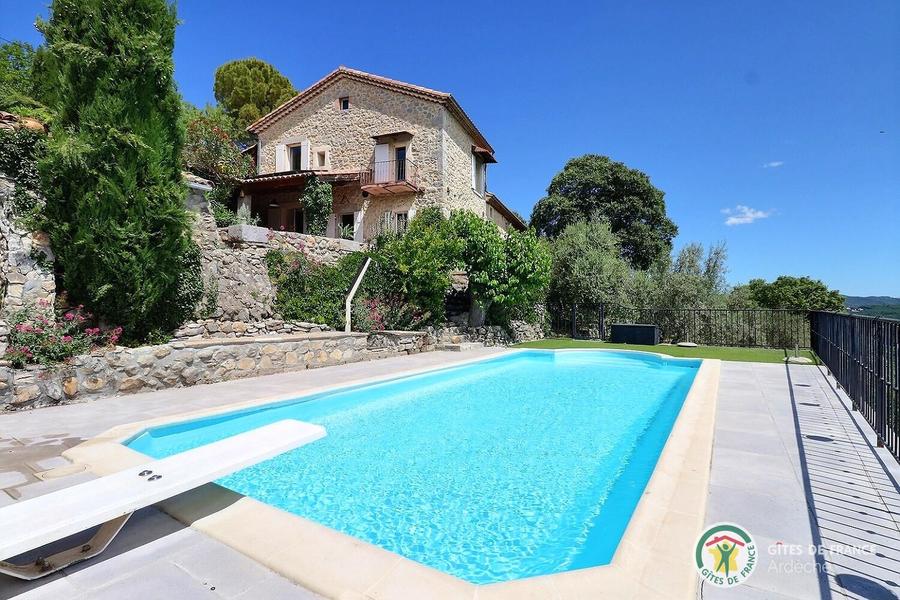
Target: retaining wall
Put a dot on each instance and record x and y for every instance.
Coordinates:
(186, 363)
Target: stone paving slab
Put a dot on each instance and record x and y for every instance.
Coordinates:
(794, 465)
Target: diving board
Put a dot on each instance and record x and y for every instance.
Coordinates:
(109, 501)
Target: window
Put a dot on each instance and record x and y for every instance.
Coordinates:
(478, 175)
(296, 158)
(400, 158)
(320, 158)
(344, 103)
(402, 222)
(348, 227)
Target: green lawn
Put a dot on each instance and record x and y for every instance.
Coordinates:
(764, 355)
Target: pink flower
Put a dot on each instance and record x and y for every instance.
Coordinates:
(66, 339)
(92, 330)
(69, 316)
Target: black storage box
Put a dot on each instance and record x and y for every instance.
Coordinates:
(647, 335)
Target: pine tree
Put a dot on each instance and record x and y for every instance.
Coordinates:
(112, 172)
(250, 88)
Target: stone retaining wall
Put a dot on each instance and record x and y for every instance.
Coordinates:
(489, 335)
(214, 328)
(179, 364)
(26, 261)
(235, 275)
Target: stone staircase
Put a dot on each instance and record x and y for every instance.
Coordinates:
(456, 339)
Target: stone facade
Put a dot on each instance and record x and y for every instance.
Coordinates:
(26, 261)
(180, 364)
(435, 141)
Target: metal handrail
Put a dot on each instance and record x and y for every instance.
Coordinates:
(390, 171)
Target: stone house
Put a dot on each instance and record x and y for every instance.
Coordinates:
(388, 149)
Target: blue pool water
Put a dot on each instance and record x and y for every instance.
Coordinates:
(527, 464)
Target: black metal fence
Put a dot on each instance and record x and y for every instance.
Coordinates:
(759, 328)
(863, 354)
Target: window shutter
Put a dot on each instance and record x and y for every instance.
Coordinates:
(281, 158)
(358, 225)
(304, 155)
(474, 166)
(331, 231)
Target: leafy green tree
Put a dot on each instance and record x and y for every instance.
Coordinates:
(481, 255)
(506, 274)
(593, 187)
(528, 265)
(694, 280)
(802, 293)
(21, 91)
(250, 88)
(112, 173)
(587, 266)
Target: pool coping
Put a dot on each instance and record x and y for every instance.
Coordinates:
(653, 558)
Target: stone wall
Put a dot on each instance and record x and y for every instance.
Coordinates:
(26, 261)
(489, 335)
(186, 363)
(214, 328)
(235, 274)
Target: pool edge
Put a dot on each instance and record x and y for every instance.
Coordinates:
(653, 559)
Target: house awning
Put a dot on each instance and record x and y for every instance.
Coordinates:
(483, 153)
(289, 179)
(394, 136)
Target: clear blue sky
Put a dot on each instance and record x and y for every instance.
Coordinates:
(770, 105)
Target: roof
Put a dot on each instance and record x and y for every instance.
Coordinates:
(342, 72)
(514, 219)
(272, 181)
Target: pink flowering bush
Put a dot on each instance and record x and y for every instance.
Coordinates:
(41, 335)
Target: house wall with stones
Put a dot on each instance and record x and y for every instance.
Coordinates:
(186, 363)
(440, 147)
(457, 151)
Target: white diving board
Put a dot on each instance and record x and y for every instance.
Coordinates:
(109, 501)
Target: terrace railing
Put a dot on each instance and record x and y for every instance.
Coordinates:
(758, 328)
(863, 354)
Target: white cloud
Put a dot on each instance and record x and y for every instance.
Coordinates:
(744, 215)
(773, 164)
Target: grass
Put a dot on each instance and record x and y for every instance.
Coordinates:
(763, 355)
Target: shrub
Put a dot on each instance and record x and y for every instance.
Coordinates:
(311, 292)
(317, 201)
(38, 336)
(115, 197)
(20, 150)
(414, 269)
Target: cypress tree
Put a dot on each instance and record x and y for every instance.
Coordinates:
(112, 173)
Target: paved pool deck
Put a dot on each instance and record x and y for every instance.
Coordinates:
(791, 464)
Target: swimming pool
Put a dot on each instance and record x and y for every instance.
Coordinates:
(527, 464)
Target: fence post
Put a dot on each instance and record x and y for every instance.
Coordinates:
(880, 408)
(574, 320)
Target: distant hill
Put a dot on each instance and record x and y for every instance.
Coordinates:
(875, 306)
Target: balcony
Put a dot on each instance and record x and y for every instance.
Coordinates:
(390, 177)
